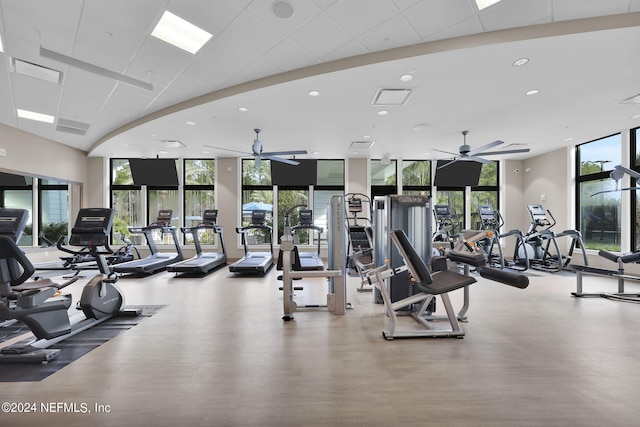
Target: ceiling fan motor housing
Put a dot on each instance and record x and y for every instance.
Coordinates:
(464, 149)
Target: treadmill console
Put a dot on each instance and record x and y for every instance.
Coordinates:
(306, 217)
(164, 217)
(258, 217)
(210, 216)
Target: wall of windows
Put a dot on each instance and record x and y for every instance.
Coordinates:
(259, 193)
(598, 215)
(137, 208)
(52, 200)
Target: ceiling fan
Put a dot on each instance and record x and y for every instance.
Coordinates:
(466, 153)
(258, 154)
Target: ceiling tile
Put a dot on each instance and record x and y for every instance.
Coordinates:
(258, 40)
(435, 16)
(288, 56)
(514, 13)
(321, 36)
(303, 12)
(394, 32)
(359, 16)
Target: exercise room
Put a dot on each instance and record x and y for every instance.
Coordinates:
(319, 212)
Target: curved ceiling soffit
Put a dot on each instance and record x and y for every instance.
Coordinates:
(553, 29)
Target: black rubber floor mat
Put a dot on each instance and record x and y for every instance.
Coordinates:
(74, 347)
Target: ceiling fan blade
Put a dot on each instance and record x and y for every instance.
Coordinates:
(448, 164)
(284, 153)
(491, 153)
(280, 159)
(484, 147)
(446, 152)
(478, 159)
(226, 149)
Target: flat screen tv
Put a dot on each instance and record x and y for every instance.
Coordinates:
(11, 180)
(285, 175)
(458, 174)
(154, 172)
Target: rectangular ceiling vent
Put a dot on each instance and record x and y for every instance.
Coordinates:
(391, 97)
(634, 100)
(362, 145)
(172, 143)
(36, 71)
(71, 126)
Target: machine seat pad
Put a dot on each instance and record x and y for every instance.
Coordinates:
(445, 281)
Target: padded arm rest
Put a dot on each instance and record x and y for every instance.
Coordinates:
(510, 278)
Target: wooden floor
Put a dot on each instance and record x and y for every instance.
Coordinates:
(219, 354)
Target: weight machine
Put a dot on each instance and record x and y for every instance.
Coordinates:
(335, 273)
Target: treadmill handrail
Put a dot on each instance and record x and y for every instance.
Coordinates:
(319, 229)
(243, 231)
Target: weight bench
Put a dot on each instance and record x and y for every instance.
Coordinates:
(619, 274)
(427, 285)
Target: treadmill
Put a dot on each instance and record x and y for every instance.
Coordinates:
(254, 262)
(203, 262)
(308, 261)
(156, 261)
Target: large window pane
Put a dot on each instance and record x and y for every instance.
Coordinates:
(480, 198)
(383, 177)
(287, 199)
(127, 207)
(21, 199)
(199, 172)
(321, 200)
(600, 215)
(599, 156)
(455, 200)
(195, 203)
(330, 172)
(121, 172)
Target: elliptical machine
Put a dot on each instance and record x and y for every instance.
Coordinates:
(40, 304)
(540, 243)
(492, 220)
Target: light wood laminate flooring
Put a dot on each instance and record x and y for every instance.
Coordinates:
(219, 354)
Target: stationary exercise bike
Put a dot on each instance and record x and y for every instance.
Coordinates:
(40, 304)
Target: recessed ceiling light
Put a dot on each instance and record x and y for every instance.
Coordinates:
(568, 139)
(243, 109)
(24, 114)
(483, 4)
(1, 48)
(406, 78)
(191, 123)
(637, 116)
(366, 137)
(532, 92)
(314, 93)
(205, 152)
(163, 152)
(383, 112)
(421, 126)
(520, 62)
(180, 33)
